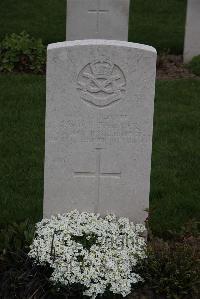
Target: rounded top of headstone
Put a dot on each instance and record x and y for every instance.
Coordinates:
(96, 42)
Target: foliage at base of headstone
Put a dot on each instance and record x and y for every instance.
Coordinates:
(194, 65)
(22, 53)
(16, 236)
(99, 254)
(171, 269)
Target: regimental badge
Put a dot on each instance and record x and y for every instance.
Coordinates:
(101, 83)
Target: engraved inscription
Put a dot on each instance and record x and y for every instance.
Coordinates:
(98, 11)
(101, 83)
(105, 129)
(98, 174)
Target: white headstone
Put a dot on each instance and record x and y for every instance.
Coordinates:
(99, 122)
(104, 19)
(192, 34)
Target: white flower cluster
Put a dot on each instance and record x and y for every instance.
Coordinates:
(98, 253)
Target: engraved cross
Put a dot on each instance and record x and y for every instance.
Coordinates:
(98, 12)
(98, 174)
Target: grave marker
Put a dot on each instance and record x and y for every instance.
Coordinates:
(192, 31)
(98, 11)
(103, 19)
(99, 122)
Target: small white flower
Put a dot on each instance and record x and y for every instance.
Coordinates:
(99, 253)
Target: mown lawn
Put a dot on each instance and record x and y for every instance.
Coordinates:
(175, 180)
(22, 109)
(159, 23)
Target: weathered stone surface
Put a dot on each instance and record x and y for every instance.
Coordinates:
(192, 31)
(99, 122)
(105, 19)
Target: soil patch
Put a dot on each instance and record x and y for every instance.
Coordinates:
(170, 67)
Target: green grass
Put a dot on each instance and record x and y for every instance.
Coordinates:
(159, 23)
(41, 18)
(175, 180)
(22, 108)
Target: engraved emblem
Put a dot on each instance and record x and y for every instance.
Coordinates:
(101, 83)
